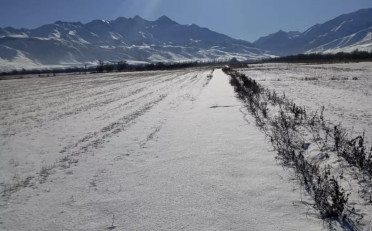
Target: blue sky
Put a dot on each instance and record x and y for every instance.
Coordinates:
(243, 19)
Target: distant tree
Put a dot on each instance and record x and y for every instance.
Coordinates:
(160, 65)
(100, 66)
(122, 65)
(319, 57)
(234, 61)
(151, 66)
(108, 67)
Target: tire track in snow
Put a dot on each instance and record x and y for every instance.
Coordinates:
(94, 139)
(82, 104)
(33, 106)
(141, 99)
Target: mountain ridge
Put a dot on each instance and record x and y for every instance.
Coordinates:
(327, 37)
(135, 39)
(164, 40)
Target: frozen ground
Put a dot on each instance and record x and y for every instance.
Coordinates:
(153, 150)
(345, 90)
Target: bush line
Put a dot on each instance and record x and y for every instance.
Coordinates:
(284, 126)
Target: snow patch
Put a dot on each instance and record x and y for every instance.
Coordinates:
(339, 26)
(115, 36)
(72, 32)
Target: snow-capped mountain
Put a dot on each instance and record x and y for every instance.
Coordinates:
(344, 33)
(134, 39)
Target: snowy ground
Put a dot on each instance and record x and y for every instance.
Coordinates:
(154, 150)
(345, 90)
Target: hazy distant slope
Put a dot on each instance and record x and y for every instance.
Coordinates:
(278, 42)
(344, 33)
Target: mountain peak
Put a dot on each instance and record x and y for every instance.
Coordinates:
(138, 18)
(165, 19)
(120, 19)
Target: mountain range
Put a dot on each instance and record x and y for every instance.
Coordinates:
(139, 40)
(131, 39)
(345, 33)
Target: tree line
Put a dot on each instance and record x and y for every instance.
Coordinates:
(325, 58)
(120, 66)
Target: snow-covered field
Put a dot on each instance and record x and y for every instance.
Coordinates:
(345, 90)
(162, 150)
(139, 151)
